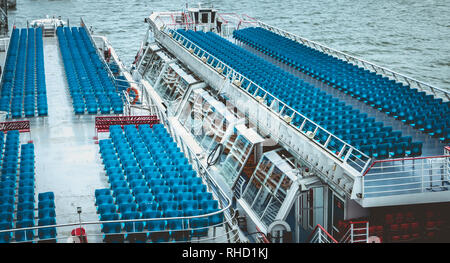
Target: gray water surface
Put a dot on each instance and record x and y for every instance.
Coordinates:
(409, 36)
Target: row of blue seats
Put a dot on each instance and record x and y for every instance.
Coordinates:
(150, 210)
(20, 213)
(151, 178)
(305, 98)
(430, 115)
(89, 84)
(24, 79)
(46, 217)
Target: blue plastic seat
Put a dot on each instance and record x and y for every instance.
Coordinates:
(416, 149)
(198, 188)
(189, 204)
(124, 199)
(144, 198)
(209, 204)
(200, 226)
(121, 191)
(104, 199)
(24, 235)
(157, 233)
(184, 196)
(149, 206)
(399, 149)
(137, 226)
(169, 205)
(104, 191)
(6, 217)
(215, 219)
(7, 208)
(382, 151)
(47, 212)
(47, 233)
(25, 215)
(5, 237)
(201, 196)
(106, 209)
(127, 207)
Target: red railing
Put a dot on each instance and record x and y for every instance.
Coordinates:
(320, 235)
(102, 123)
(264, 238)
(22, 126)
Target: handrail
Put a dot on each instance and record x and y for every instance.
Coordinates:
(236, 76)
(403, 159)
(5, 40)
(189, 228)
(349, 235)
(349, 58)
(406, 176)
(321, 229)
(105, 65)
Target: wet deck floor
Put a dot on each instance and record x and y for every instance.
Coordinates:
(67, 158)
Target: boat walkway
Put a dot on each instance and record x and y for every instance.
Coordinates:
(67, 159)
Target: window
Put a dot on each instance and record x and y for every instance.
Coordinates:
(267, 190)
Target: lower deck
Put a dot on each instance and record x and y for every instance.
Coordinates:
(68, 161)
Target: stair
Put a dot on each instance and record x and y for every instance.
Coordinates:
(49, 32)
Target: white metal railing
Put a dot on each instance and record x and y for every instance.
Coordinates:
(356, 232)
(320, 235)
(332, 144)
(5, 44)
(92, 227)
(413, 83)
(407, 176)
(105, 65)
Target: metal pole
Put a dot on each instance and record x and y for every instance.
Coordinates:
(79, 217)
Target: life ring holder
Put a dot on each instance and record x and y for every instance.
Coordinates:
(136, 98)
(138, 55)
(108, 55)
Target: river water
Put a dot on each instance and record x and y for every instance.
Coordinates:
(411, 37)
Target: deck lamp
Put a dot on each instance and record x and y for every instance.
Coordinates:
(79, 217)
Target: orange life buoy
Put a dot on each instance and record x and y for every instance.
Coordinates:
(136, 98)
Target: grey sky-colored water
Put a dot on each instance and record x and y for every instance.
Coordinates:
(409, 36)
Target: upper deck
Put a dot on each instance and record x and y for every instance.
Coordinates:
(356, 118)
